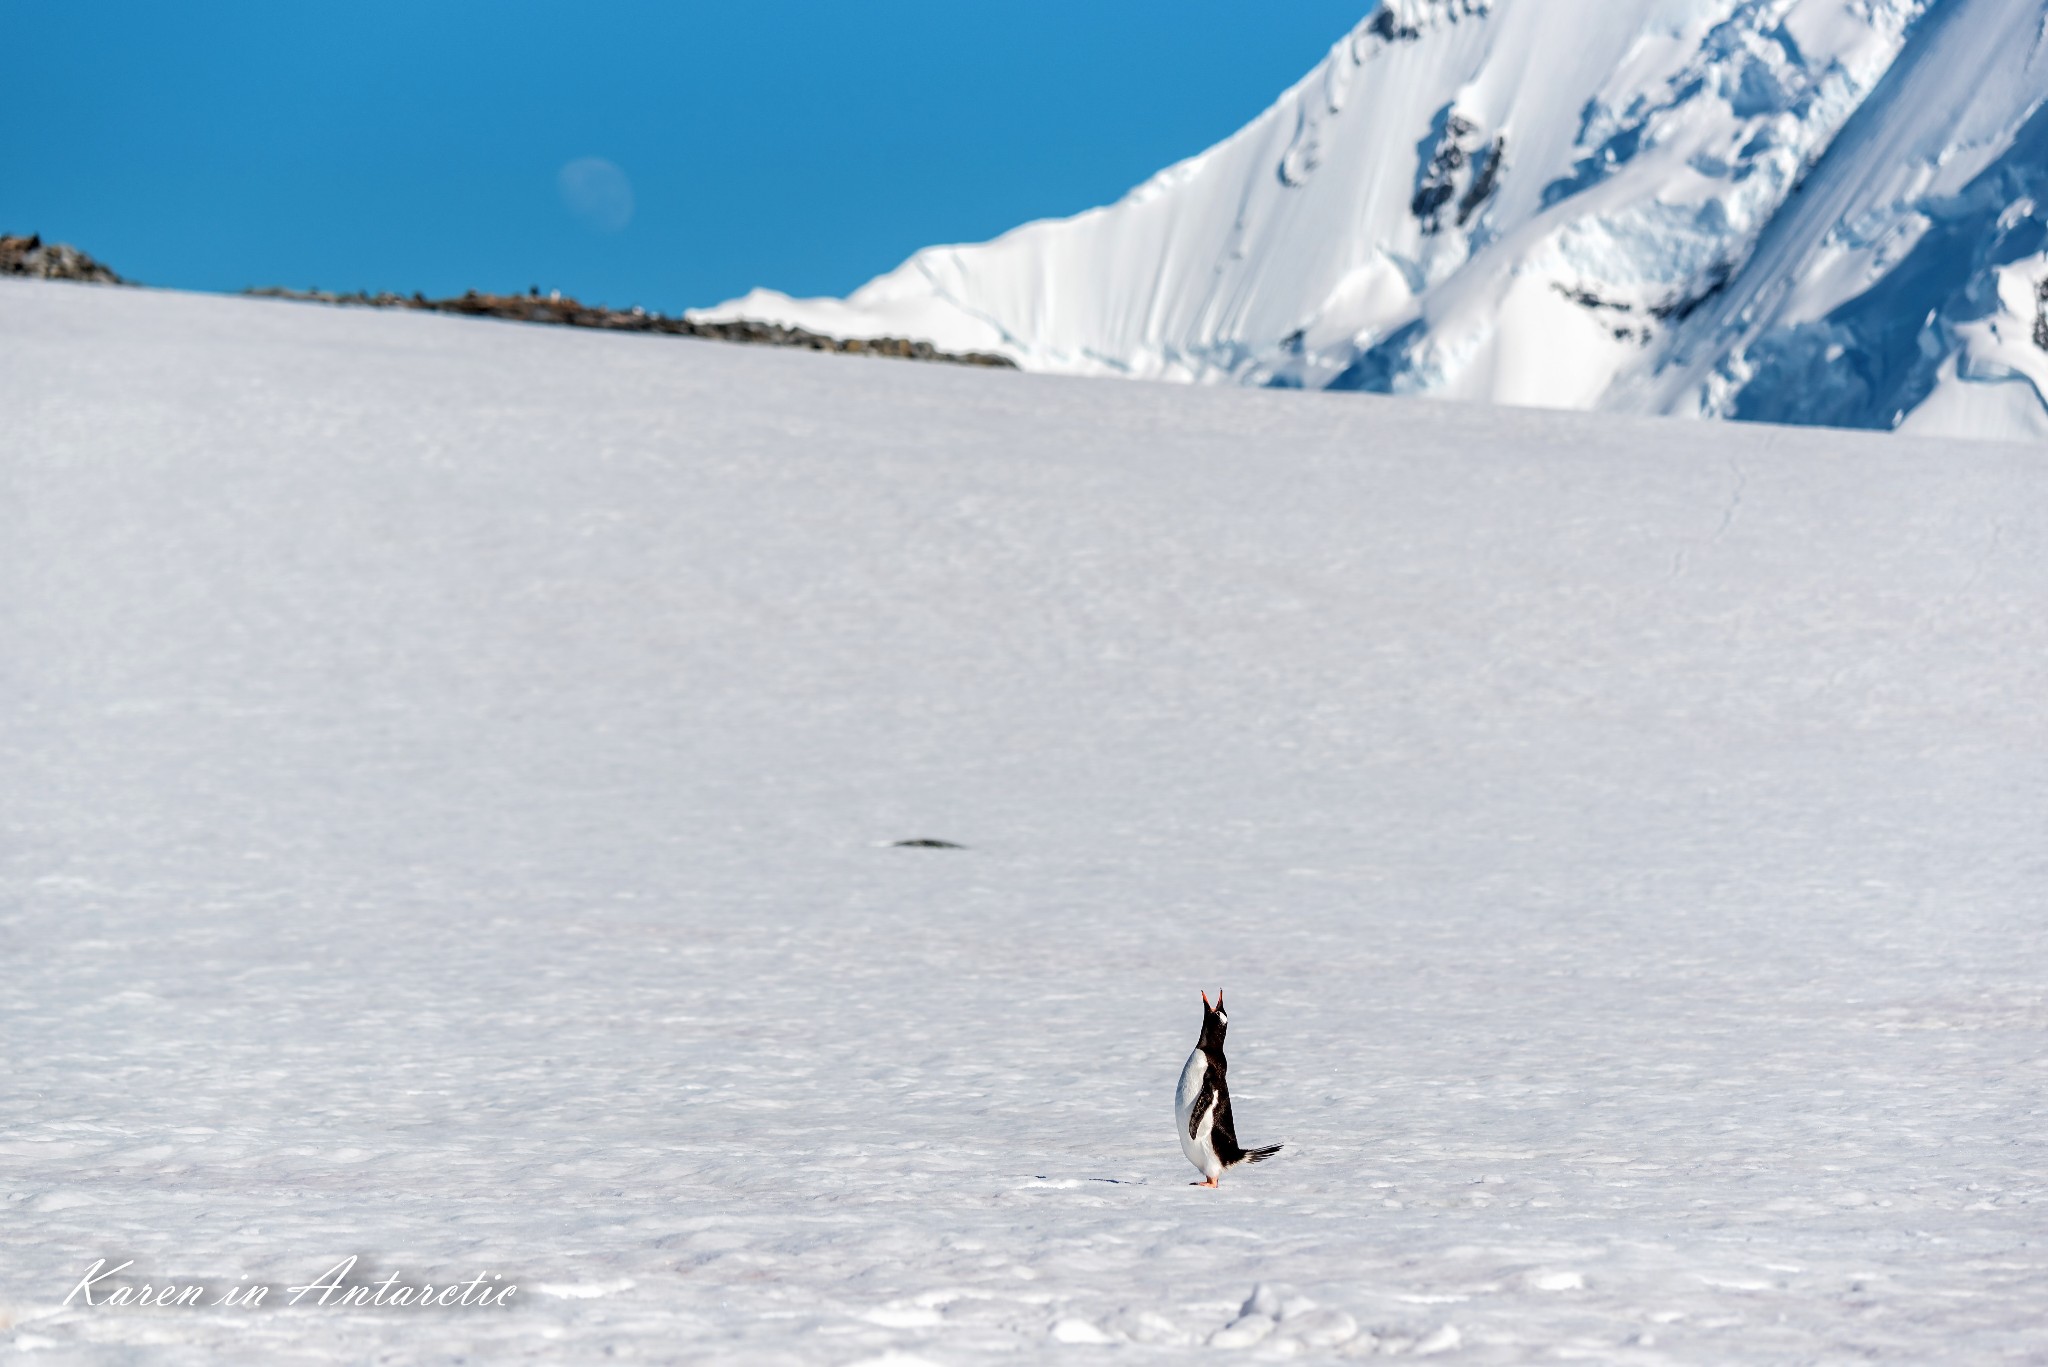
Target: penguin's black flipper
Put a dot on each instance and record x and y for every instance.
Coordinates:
(1261, 1155)
(1203, 1100)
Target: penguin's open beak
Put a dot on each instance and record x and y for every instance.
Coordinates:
(1205, 1002)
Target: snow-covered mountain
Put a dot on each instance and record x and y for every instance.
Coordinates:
(1825, 211)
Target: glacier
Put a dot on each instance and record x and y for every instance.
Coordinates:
(1804, 211)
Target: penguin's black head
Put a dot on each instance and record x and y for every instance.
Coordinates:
(1215, 1020)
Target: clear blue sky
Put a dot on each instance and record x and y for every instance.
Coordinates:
(421, 145)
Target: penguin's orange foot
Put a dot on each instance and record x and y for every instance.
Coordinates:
(1210, 1183)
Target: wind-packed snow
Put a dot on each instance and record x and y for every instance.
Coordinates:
(448, 770)
(1818, 211)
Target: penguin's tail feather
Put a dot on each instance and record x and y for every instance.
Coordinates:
(1261, 1155)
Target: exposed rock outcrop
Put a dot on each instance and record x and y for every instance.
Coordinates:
(557, 308)
(31, 255)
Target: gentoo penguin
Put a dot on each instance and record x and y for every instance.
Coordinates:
(1201, 1104)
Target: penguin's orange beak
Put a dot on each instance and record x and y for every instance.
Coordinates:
(1205, 1001)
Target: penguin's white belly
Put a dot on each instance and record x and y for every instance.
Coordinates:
(1194, 1138)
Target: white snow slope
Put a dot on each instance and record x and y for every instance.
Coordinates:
(1817, 211)
(445, 770)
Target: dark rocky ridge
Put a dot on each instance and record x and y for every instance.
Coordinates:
(557, 308)
(31, 256)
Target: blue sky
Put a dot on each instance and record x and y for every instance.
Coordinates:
(422, 145)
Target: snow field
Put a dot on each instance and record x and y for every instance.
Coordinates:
(449, 767)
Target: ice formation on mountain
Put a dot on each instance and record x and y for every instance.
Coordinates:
(1826, 211)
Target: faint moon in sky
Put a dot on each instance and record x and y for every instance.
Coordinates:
(597, 192)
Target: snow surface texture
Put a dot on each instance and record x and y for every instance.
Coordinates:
(1825, 211)
(448, 770)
